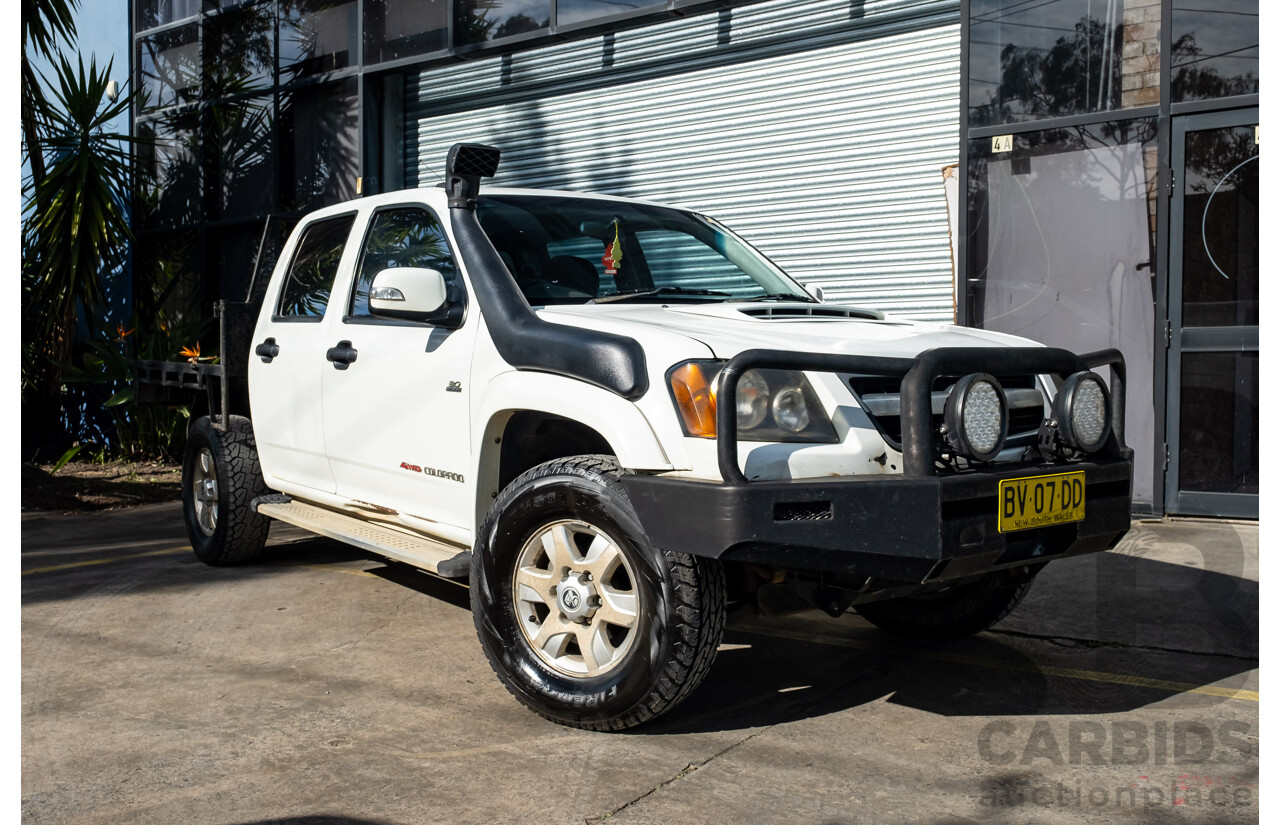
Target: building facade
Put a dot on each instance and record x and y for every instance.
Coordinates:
(819, 129)
(1110, 164)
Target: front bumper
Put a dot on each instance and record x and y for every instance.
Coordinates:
(919, 527)
(890, 528)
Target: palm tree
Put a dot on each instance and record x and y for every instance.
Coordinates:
(75, 225)
(44, 22)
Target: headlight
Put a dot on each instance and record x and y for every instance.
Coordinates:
(1083, 410)
(790, 409)
(977, 417)
(753, 400)
(772, 405)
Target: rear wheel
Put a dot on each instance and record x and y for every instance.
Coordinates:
(952, 613)
(220, 478)
(582, 619)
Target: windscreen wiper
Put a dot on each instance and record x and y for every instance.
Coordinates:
(783, 296)
(662, 290)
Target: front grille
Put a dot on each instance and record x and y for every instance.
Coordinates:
(880, 396)
(1025, 419)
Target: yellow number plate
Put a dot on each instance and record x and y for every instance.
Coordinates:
(1040, 501)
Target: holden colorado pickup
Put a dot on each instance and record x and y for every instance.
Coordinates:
(612, 419)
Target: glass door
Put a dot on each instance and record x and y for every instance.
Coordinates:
(1213, 314)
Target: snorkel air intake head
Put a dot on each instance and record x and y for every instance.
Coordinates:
(466, 165)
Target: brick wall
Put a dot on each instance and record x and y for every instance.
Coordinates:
(1140, 66)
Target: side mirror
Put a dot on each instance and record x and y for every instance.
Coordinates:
(411, 293)
(814, 290)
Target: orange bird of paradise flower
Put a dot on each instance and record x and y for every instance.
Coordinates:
(192, 354)
(121, 333)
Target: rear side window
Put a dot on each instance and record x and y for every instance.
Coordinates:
(407, 236)
(315, 265)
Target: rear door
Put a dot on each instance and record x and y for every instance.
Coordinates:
(396, 418)
(288, 361)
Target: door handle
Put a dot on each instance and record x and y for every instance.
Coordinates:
(342, 355)
(267, 350)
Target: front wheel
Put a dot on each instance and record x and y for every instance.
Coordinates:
(220, 479)
(581, 618)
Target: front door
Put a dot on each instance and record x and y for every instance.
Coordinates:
(1213, 362)
(396, 418)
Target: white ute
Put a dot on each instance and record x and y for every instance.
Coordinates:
(615, 419)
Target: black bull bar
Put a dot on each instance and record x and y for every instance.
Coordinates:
(918, 375)
(918, 526)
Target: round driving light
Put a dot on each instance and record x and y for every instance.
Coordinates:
(977, 417)
(1083, 410)
(753, 400)
(789, 409)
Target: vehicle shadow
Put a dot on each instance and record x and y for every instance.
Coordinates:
(1105, 634)
(318, 552)
(1098, 659)
(446, 590)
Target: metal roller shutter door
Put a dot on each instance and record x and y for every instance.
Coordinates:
(818, 138)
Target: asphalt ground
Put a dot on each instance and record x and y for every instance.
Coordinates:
(323, 686)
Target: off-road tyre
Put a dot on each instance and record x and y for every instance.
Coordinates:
(679, 617)
(235, 534)
(953, 613)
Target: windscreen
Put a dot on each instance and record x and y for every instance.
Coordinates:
(567, 250)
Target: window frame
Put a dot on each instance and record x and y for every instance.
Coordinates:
(370, 320)
(190, 95)
(367, 48)
(353, 214)
(1181, 27)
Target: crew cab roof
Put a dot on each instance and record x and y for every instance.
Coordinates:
(435, 197)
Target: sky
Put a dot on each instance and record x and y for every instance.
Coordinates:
(102, 27)
(102, 33)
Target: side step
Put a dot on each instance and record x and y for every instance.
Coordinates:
(418, 551)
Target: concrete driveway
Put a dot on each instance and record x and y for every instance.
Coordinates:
(321, 686)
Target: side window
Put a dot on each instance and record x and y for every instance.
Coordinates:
(407, 236)
(315, 265)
